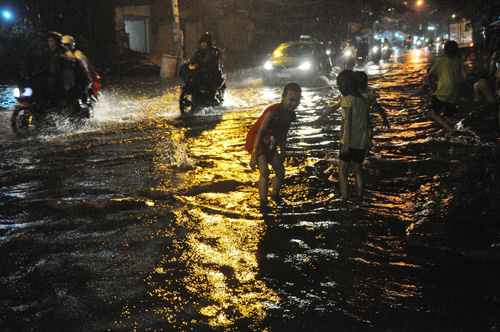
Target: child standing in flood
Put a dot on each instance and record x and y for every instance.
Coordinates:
(267, 134)
(362, 82)
(450, 73)
(354, 133)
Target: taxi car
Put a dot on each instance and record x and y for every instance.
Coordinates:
(304, 61)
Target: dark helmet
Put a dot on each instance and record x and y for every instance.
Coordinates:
(206, 38)
(451, 48)
(56, 35)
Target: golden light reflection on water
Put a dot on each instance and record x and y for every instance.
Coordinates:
(219, 269)
(214, 252)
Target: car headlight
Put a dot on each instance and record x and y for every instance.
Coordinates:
(305, 66)
(268, 65)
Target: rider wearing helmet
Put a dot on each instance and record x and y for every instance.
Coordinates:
(69, 44)
(207, 61)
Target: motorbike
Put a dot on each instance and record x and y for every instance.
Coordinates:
(360, 60)
(375, 54)
(34, 110)
(386, 52)
(199, 90)
(349, 59)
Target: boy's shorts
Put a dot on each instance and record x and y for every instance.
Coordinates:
(444, 108)
(354, 155)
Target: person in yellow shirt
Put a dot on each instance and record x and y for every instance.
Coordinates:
(450, 73)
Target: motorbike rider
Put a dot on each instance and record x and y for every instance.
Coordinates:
(69, 45)
(65, 78)
(386, 50)
(51, 65)
(349, 53)
(207, 62)
(363, 49)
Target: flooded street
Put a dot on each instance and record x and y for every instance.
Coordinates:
(145, 220)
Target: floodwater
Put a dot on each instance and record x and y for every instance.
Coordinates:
(145, 220)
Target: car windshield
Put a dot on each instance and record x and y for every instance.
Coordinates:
(297, 50)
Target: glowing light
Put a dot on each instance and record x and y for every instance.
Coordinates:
(305, 66)
(7, 15)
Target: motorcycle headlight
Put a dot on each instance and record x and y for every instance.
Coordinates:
(348, 53)
(305, 66)
(268, 65)
(28, 92)
(375, 49)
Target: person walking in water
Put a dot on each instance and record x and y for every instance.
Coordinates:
(354, 133)
(450, 73)
(267, 134)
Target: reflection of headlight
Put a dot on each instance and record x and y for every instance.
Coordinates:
(305, 66)
(268, 65)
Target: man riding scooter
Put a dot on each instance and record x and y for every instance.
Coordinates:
(208, 64)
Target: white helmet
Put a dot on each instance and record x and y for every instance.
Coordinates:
(68, 40)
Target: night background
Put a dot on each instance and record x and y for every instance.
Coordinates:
(270, 22)
(147, 217)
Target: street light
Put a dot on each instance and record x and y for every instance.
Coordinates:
(7, 15)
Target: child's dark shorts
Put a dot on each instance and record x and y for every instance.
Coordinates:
(354, 155)
(443, 108)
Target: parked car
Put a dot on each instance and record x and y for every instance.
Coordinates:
(304, 61)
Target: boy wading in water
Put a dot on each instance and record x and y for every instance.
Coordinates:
(450, 73)
(267, 134)
(354, 133)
